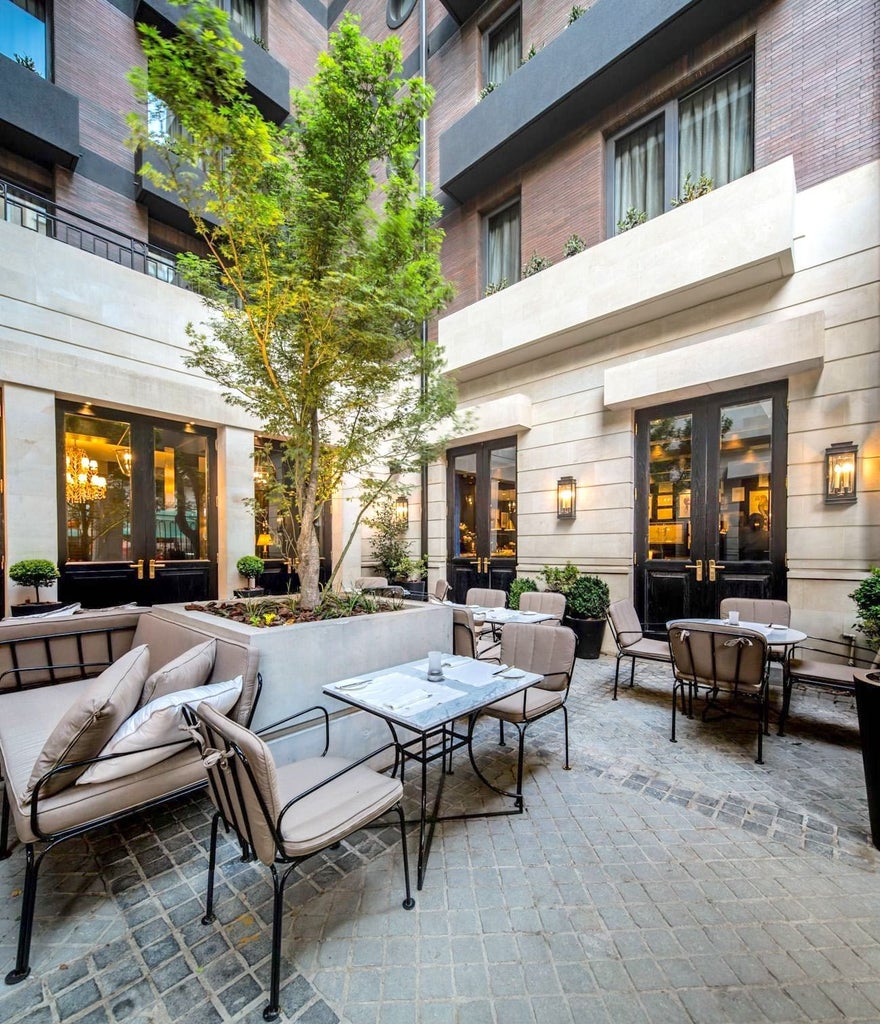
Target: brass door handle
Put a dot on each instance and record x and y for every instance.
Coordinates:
(154, 565)
(139, 565)
(698, 565)
(713, 565)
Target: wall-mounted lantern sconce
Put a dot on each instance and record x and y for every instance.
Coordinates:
(401, 509)
(840, 473)
(566, 498)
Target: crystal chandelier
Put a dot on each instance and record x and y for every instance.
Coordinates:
(84, 483)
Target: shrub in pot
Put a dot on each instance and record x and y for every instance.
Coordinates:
(520, 585)
(867, 599)
(411, 573)
(36, 573)
(587, 603)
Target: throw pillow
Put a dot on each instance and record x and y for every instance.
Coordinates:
(141, 736)
(189, 669)
(91, 721)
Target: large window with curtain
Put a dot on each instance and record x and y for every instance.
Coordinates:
(502, 247)
(25, 34)
(502, 49)
(708, 132)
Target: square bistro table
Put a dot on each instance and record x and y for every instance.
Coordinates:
(407, 700)
(501, 616)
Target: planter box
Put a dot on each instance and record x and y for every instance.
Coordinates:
(297, 661)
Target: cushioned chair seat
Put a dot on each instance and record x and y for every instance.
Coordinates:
(341, 807)
(631, 642)
(538, 702)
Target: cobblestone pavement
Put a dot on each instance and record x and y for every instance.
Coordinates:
(652, 883)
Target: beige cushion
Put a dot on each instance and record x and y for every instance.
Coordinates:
(142, 736)
(91, 720)
(192, 668)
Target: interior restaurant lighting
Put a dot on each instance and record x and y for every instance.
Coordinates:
(401, 509)
(566, 498)
(263, 541)
(840, 473)
(84, 482)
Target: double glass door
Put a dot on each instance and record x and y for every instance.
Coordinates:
(481, 489)
(710, 504)
(137, 509)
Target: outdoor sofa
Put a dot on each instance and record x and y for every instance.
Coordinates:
(68, 686)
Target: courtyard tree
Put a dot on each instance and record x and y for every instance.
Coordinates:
(322, 260)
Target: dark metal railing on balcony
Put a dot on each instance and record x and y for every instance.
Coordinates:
(37, 213)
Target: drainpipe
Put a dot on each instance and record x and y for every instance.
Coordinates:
(423, 188)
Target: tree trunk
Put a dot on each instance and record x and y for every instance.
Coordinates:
(308, 550)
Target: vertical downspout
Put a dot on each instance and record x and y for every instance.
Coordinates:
(423, 188)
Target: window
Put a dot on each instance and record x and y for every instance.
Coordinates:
(502, 247)
(707, 132)
(24, 35)
(502, 49)
(245, 16)
(19, 206)
(161, 265)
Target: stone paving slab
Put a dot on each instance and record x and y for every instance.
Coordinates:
(655, 882)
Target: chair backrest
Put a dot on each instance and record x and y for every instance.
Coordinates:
(486, 598)
(761, 610)
(242, 780)
(369, 582)
(549, 650)
(441, 590)
(625, 626)
(548, 602)
(463, 632)
(716, 655)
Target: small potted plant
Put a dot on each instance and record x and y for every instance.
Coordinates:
(587, 603)
(250, 566)
(411, 573)
(519, 586)
(36, 573)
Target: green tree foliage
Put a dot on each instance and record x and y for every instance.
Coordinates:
(323, 258)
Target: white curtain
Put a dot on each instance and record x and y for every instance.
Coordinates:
(243, 15)
(505, 51)
(502, 257)
(715, 129)
(639, 171)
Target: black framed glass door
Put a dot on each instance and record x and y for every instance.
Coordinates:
(138, 519)
(710, 503)
(481, 490)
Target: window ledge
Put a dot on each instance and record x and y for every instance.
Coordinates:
(40, 120)
(737, 237)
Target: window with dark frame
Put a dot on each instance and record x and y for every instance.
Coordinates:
(25, 34)
(502, 48)
(502, 246)
(708, 132)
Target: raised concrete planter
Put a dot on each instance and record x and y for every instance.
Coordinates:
(297, 661)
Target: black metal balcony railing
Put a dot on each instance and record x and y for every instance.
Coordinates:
(37, 213)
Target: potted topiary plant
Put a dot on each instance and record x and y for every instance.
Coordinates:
(36, 573)
(587, 603)
(520, 585)
(250, 566)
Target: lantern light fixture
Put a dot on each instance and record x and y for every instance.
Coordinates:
(566, 498)
(401, 509)
(841, 480)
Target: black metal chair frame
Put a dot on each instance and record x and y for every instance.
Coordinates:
(287, 863)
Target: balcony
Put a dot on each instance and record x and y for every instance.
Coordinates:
(586, 67)
(268, 81)
(39, 120)
(737, 237)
